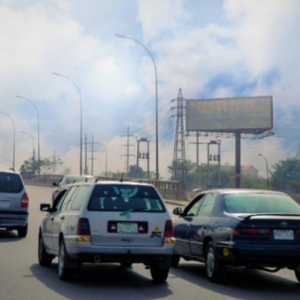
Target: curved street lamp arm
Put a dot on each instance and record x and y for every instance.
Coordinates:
(156, 93)
(80, 96)
(38, 129)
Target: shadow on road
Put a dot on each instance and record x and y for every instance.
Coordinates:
(241, 283)
(8, 236)
(110, 281)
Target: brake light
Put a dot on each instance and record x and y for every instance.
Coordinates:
(24, 201)
(298, 232)
(250, 231)
(168, 229)
(83, 227)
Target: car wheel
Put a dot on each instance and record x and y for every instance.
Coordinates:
(22, 231)
(126, 265)
(65, 273)
(45, 259)
(297, 273)
(215, 270)
(175, 260)
(158, 274)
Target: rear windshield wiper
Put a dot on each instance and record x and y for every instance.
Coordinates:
(128, 211)
(270, 214)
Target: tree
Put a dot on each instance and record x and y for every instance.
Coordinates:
(286, 175)
(136, 172)
(31, 166)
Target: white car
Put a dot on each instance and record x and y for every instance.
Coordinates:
(117, 222)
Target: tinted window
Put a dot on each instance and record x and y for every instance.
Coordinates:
(68, 198)
(194, 209)
(208, 205)
(80, 197)
(10, 183)
(71, 179)
(124, 197)
(58, 199)
(260, 203)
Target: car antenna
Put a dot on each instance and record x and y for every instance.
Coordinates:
(121, 179)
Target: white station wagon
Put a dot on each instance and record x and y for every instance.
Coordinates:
(103, 222)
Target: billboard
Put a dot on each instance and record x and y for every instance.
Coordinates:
(244, 114)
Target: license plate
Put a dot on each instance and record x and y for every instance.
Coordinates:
(127, 228)
(4, 203)
(283, 234)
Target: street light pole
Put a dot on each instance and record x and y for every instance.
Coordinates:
(14, 140)
(38, 131)
(33, 152)
(267, 169)
(156, 98)
(80, 160)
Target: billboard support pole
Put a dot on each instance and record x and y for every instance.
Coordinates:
(238, 160)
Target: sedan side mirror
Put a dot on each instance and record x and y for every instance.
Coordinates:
(54, 184)
(177, 211)
(45, 207)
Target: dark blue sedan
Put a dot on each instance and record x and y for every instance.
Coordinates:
(253, 228)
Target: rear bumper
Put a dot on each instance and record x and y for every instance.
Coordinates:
(85, 252)
(254, 255)
(8, 220)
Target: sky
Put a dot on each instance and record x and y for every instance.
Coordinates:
(209, 49)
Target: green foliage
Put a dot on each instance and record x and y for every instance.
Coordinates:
(286, 175)
(197, 177)
(31, 166)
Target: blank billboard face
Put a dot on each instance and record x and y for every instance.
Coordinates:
(247, 114)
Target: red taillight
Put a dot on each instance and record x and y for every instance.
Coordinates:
(168, 229)
(24, 201)
(251, 231)
(83, 227)
(298, 232)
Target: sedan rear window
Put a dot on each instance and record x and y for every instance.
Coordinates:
(121, 197)
(10, 183)
(260, 203)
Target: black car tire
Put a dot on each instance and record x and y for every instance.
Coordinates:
(22, 231)
(297, 273)
(215, 269)
(175, 260)
(45, 259)
(126, 265)
(65, 273)
(158, 274)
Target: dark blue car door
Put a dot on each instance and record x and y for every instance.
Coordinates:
(201, 224)
(182, 227)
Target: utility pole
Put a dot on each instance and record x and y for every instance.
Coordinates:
(92, 151)
(85, 155)
(55, 161)
(144, 155)
(214, 158)
(128, 145)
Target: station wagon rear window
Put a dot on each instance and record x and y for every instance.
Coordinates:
(121, 197)
(260, 203)
(10, 183)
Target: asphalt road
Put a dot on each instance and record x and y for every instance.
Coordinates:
(21, 277)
